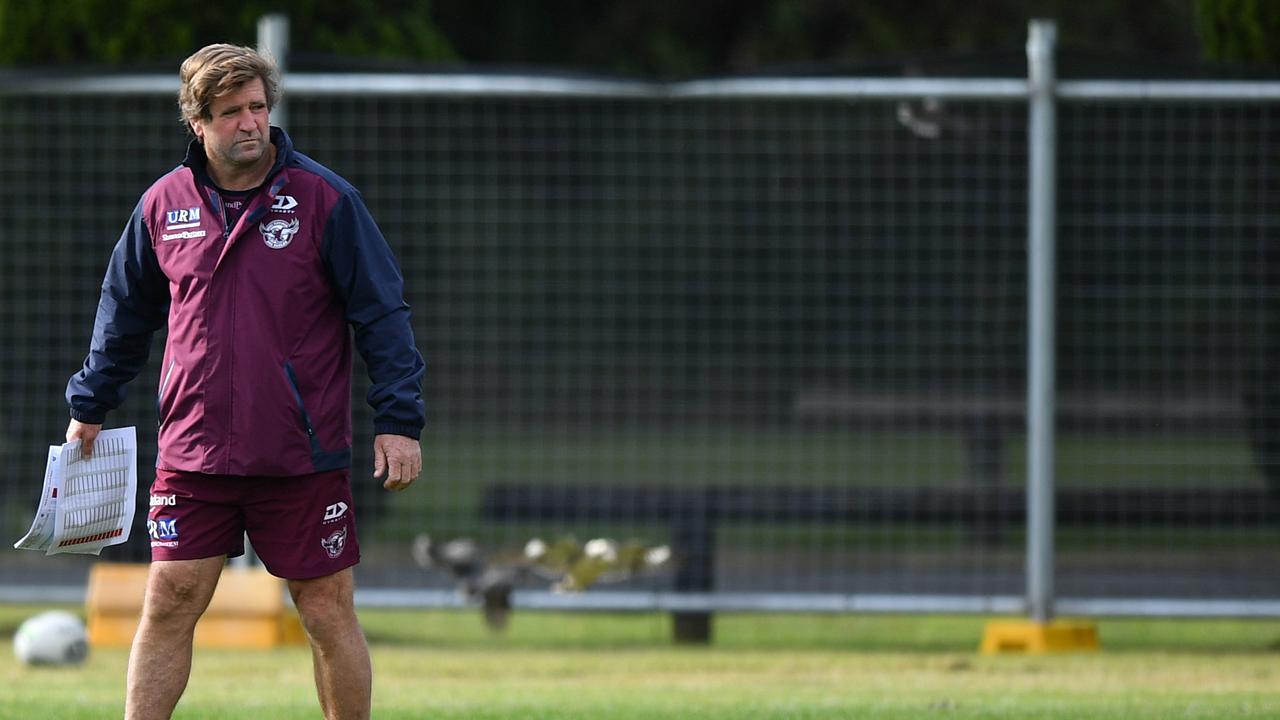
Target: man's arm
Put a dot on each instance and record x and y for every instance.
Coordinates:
(366, 274)
(133, 305)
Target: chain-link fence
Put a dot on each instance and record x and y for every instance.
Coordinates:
(786, 333)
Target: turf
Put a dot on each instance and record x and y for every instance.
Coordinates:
(462, 462)
(579, 666)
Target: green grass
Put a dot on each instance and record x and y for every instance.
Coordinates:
(461, 462)
(470, 458)
(580, 666)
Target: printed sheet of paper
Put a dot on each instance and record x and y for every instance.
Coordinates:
(91, 500)
(41, 532)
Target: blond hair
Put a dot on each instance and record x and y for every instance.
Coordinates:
(215, 70)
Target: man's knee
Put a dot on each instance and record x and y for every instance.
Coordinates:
(180, 588)
(325, 604)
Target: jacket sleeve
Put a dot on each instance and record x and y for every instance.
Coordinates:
(133, 305)
(366, 274)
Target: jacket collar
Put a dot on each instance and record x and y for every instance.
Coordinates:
(198, 161)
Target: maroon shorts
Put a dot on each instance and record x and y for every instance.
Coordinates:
(301, 527)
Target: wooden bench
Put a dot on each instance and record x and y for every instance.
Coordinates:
(984, 421)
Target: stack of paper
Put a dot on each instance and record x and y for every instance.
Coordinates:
(86, 503)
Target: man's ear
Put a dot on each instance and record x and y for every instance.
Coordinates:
(197, 128)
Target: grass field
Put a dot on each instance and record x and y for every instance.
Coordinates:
(460, 463)
(579, 666)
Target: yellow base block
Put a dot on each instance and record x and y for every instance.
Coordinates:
(1026, 636)
(248, 609)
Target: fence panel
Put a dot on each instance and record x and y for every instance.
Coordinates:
(1168, 312)
(785, 334)
(622, 298)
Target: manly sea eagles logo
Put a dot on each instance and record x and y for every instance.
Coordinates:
(278, 233)
(335, 543)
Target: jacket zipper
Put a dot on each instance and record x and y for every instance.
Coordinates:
(164, 383)
(297, 396)
(222, 212)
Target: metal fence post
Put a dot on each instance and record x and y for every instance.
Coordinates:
(1041, 241)
(273, 39)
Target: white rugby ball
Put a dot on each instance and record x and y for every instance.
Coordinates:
(54, 637)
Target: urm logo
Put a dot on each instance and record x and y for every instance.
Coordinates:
(163, 529)
(175, 217)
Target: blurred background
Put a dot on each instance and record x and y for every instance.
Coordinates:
(671, 288)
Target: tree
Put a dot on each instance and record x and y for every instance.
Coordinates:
(1240, 31)
(145, 31)
(664, 38)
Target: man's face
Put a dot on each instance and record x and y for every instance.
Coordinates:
(237, 133)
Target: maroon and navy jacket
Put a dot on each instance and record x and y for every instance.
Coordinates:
(256, 377)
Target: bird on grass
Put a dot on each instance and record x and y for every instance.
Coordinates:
(465, 562)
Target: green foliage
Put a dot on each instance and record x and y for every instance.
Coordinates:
(389, 29)
(647, 37)
(669, 38)
(101, 32)
(1242, 31)
(675, 38)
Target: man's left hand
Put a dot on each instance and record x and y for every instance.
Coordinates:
(399, 457)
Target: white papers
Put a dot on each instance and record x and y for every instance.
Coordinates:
(86, 504)
(41, 532)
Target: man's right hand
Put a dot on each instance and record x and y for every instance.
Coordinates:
(85, 433)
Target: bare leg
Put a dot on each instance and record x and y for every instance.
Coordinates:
(178, 591)
(344, 676)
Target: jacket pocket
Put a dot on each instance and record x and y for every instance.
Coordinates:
(292, 377)
(164, 386)
(321, 459)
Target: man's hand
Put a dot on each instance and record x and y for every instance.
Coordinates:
(85, 433)
(399, 457)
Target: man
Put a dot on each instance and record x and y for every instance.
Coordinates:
(258, 258)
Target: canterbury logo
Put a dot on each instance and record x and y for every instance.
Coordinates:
(335, 511)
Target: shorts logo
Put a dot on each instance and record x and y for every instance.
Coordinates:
(334, 511)
(157, 500)
(164, 529)
(278, 234)
(335, 543)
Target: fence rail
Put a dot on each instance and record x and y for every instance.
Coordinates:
(319, 85)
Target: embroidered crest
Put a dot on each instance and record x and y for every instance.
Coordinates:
(278, 233)
(335, 543)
